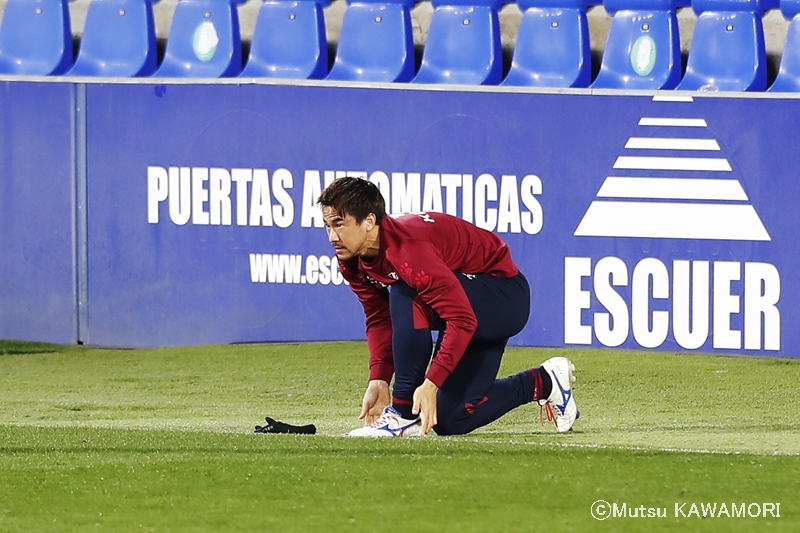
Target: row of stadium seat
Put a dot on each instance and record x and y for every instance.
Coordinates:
(463, 43)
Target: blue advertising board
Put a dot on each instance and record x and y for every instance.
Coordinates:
(660, 221)
(37, 191)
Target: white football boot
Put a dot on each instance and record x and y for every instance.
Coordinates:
(389, 424)
(560, 405)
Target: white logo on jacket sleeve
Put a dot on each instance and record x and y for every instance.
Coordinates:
(424, 216)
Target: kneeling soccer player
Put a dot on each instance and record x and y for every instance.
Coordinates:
(420, 272)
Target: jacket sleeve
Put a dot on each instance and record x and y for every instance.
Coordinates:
(375, 301)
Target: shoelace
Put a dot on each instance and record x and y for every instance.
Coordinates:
(380, 421)
(551, 416)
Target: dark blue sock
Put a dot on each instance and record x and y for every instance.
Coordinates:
(404, 408)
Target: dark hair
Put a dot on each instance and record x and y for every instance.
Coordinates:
(354, 196)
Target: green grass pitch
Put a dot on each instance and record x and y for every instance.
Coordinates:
(162, 440)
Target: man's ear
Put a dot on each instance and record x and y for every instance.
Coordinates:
(371, 221)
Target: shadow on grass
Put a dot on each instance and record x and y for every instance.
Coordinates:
(25, 347)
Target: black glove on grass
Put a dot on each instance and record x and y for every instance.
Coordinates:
(273, 426)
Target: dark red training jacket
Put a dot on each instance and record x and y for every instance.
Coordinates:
(425, 250)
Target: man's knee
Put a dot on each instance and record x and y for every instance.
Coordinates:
(452, 426)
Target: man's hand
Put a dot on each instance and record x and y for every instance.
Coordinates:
(425, 405)
(376, 398)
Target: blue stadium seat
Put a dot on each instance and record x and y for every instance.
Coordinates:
(643, 48)
(35, 37)
(376, 43)
(118, 39)
(289, 40)
(552, 48)
(788, 79)
(463, 44)
(727, 51)
(203, 40)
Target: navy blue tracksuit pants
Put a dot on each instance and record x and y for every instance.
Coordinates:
(471, 396)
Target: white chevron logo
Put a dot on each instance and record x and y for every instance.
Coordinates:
(673, 204)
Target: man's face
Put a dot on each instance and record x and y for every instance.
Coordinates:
(347, 237)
